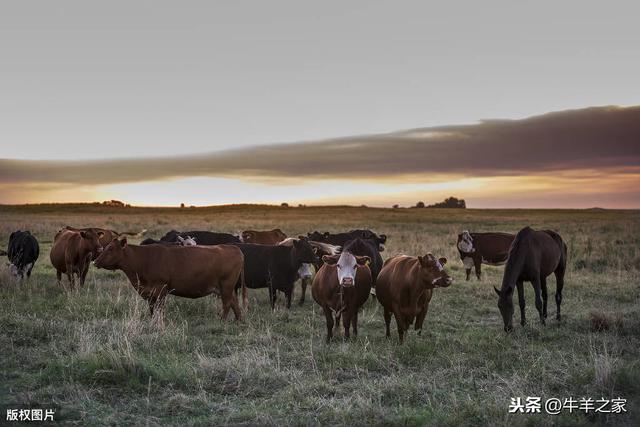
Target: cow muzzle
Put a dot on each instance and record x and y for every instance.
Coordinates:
(347, 282)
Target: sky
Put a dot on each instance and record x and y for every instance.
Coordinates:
(378, 103)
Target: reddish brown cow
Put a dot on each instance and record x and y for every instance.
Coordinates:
(272, 237)
(405, 287)
(156, 271)
(72, 252)
(341, 287)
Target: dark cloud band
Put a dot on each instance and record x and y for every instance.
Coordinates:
(588, 138)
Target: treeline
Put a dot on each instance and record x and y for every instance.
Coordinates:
(450, 203)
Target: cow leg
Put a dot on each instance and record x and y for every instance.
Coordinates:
(329, 318)
(537, 290)
(521, 301)
(543, 285)
(229, 300)
(72, 282)
(400, 322)
(354, 324)
(84, 269)
(273, 296)
(303, 290)
(478, 267)
(420, 318)
(288, 294)
(346, 321)
(559, 285)
(468, 273)
(387, 322)
(59, 277)
(156, 304)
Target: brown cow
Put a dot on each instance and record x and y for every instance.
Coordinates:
(272, 237)
(72, 252)
(405, 287)
(107, 235)
(156, 271)
(483, 248)
(341, 287)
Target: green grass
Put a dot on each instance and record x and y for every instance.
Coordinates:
(96, 355)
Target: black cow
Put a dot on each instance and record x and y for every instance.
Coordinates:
(366, 247)
(341, 239)
(202, 237)
(277, 267)
(23, 252)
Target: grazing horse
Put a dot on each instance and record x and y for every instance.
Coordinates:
(533, 256)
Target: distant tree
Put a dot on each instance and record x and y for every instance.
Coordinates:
(284, 205)
(396, 206)
(182, 205)
(113, 203)
(420, 205)
(451, 202)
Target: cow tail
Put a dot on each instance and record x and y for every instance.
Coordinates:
(245, 294)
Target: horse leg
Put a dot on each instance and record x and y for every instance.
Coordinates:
(537, 290)
(559, 285)
(521, 301)
(543, 283)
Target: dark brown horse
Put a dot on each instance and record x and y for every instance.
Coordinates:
(533, 256)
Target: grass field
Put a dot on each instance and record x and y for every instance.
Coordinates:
(95, 355)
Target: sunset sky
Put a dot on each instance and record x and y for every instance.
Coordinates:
(161, 103)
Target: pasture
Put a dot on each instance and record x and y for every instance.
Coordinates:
(95, 355)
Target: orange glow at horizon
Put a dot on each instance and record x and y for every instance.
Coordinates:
(574, 188)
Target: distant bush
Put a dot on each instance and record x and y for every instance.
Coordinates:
(420, 205)
(284, 205)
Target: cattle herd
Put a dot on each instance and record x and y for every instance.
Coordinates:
(344, 269)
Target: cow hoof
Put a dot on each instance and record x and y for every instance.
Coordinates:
(558, 318)
(523, 322)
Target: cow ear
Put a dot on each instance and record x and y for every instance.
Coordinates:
(442, 260)
(83, 234)
(100, 233)
(423, 261)
(362, 260)
(330, 259)
(123, 242)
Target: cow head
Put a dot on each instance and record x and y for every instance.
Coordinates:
(505, 304)
(187, 241)
(432, 271)
(91, 241)
(346, 266)
(111, 257)
(316, 236)
(302, 253)
(465, 242)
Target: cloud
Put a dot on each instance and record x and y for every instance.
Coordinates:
(591, 138)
